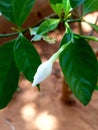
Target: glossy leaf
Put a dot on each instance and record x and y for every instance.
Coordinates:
(75, 3)
(26, 57)
(61, 7)
(66, 8)
(90, 6)
(56, 6)
(79, 66)
(66, 38)
(47, 26)
(9, 74)
(16, 11)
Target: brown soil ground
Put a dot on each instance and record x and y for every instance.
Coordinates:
(44, 110)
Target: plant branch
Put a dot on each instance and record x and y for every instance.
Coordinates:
(13, 34)
(92, 38)
(8, 34)
(25, 30)
(74, 20)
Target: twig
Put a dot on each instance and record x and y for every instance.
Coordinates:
(8, 34)
(9, 123)
(27, 29)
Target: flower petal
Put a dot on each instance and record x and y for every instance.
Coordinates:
(43, 71)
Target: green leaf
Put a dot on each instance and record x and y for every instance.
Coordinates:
(36, 38)
(57, 6)
(61, 7)
(33, 31)
(66, 8)
(79, 66)
(75, 3)
(66, 38)
(96, 88)
(26, 57)
(9, 74)
(47, 25)
(16, 11)
(90, 6)
(49, 39)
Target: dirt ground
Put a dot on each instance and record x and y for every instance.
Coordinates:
(44, 110)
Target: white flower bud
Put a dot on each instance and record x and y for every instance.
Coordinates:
(43, 71)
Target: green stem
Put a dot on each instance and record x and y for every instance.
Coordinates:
(17, 31)
(92, 38)
(74, 20)
(13, 34)
(56, 55)
(8, 34)
(69, 31)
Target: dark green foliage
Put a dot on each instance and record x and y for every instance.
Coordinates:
(90, 6)
(9, 74)
(26, 57)
(79, 66)
(16, 11)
